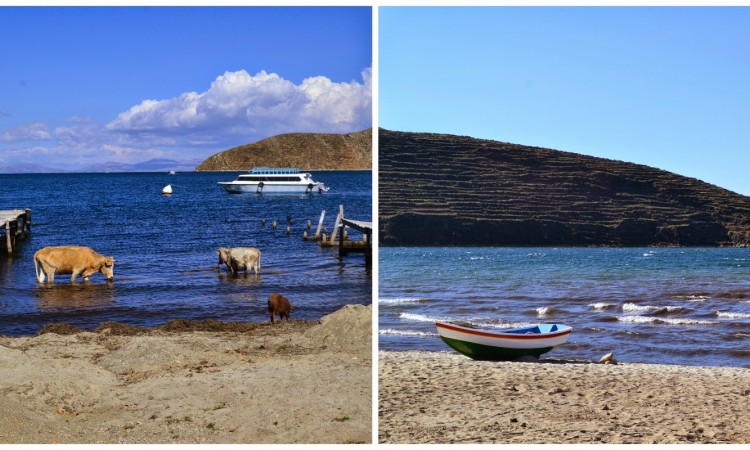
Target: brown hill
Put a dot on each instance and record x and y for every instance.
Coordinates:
(307, 151)
(437, 189)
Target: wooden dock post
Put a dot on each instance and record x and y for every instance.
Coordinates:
(8, 240)
(17, 225)
(337, 224)
(320, 223)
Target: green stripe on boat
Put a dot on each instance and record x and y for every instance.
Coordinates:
(490, 353)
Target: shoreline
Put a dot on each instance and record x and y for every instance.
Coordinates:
(436, 397)
(263, 384)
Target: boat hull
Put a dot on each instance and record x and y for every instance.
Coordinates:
(267, 188)
(503, 346)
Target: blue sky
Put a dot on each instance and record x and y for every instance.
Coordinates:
(85, 85)
(666, 87)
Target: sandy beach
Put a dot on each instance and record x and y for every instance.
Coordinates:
(207, 382)
(436, 397)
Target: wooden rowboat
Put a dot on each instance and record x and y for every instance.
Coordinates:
(505, 345)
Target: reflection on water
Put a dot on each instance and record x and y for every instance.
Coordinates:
(75, 295)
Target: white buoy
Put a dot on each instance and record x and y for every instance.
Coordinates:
(167, 189)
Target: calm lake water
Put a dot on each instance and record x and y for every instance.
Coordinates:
(679, 306)
(165, 249)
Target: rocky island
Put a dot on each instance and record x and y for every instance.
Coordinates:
(308, 151)
(439, 189)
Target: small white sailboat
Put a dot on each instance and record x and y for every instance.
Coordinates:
(167, 189)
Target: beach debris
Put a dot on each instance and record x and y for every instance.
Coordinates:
(609, 358)
(167, 189)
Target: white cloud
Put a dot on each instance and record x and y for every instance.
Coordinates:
(238, 108)
(255, 106)
(30, 132)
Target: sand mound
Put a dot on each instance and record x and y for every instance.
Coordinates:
(191, 382)
(348, 330)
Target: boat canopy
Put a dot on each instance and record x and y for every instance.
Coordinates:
(274, 170)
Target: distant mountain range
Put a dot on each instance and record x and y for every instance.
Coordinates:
(443, 190)
(153, 165)
(306, 151)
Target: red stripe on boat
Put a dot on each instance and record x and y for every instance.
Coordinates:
(504, 335)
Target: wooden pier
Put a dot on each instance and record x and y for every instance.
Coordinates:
(15, 224)
(343, 243)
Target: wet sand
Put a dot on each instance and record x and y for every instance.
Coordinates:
(439, 397)
(295, 382)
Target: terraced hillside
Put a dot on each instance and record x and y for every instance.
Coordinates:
(437, 189)
(307, 151)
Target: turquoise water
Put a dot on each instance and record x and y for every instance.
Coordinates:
(165, 249)
(672, 305)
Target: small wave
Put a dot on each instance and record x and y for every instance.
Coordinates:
(390, 331)
(396, 301)
(419, 317)
(536, 255)
(465, 322)
(739, 336)
(730, 315)
(544, 311)
(505, 326)
(665, 310)
(692, 297)
(663, 320)
(732, 295)
(632, 307)
(602, 306)
(634, 333)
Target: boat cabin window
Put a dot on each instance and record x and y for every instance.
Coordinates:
(267, 178)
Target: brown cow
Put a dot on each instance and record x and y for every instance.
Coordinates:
(278, 304)
(73, 260)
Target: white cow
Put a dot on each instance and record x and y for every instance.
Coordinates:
(74, 260)
(240, 258)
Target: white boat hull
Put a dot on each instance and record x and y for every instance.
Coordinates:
(503, 345)
(234, 187)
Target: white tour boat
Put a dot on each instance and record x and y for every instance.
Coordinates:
(267, 180)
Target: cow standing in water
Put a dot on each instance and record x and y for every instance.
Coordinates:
(240, 258)
(74, 260)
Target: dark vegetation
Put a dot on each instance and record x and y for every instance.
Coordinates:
(443, 190)
(307, 151)
(180, 326)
